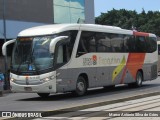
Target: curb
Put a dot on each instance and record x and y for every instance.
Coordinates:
(76, 108)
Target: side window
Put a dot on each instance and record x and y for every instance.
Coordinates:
(103, 42)
(151, 44)
(87, 43)
(117, 42)
(140, 44)
(72, 37)
(60, 55)
(63, 55)
(64, 49)
(158, 49)
(129, 43)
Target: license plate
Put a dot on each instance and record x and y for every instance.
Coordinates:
(28, 89)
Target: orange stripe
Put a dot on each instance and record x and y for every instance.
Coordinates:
(134, 63)
(140, 34)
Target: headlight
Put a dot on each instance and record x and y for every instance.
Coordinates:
(47, 79)
(12, 79)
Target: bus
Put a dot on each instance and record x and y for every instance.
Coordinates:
(158, 42)
(63, 58)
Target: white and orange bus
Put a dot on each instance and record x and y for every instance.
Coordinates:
(74, 57)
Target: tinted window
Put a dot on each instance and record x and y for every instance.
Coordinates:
(117, 42)
(158, 49)
(87, 43)
(151, 44)
(140, 44)
(103, 42)
(64, 50)
(111, 42)
(72, 37)
(108, 42)
(129, 43)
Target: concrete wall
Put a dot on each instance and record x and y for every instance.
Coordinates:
(22, 14)
(28, 10)
(89, 11)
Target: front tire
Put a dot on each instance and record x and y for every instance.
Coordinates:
(139, 79)
(43, 95)
(81, 86)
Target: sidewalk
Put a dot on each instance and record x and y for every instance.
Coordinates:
(4, 92)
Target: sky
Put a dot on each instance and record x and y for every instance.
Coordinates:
(102, 6)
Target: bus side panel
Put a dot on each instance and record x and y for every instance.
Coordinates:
(150, 71)
(150, 66)
(106, 76)
(68, 77)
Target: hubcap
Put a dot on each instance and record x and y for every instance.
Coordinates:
(139, 80)
(80, 86)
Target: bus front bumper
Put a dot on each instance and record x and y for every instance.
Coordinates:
(47, 87)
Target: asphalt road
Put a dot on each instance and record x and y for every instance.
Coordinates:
(32, 102)
(140, 109)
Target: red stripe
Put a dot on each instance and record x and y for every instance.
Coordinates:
(140, 34)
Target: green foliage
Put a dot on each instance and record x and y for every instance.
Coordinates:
(126, 19)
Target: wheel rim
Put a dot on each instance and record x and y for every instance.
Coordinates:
(80, 86)
(139, 79)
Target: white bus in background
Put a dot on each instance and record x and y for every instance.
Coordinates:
(158, 42)
(74, 57)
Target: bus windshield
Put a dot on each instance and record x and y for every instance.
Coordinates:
(32, 54)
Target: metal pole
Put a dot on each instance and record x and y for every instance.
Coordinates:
(6, 82)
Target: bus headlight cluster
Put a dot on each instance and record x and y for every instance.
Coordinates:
(47, 79)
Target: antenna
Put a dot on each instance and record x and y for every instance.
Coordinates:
(134, 28)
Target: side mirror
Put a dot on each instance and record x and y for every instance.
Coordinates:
(4, 47)
(55, 41)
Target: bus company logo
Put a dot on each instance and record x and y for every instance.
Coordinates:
(6, 114)
(90, 61)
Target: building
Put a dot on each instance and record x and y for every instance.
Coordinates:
(22, 14)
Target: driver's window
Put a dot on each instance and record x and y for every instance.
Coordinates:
(60, 55)
(63, 54)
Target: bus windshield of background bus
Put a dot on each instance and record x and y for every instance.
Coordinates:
(32, 54)
(158, 49)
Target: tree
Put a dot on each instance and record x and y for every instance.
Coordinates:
(126, 19)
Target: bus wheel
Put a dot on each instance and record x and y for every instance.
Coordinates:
(81, 86)
(139, 80)
(43, 95)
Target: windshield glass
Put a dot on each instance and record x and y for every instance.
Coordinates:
(32, 54)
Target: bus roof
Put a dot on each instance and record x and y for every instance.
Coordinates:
(56, 28)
